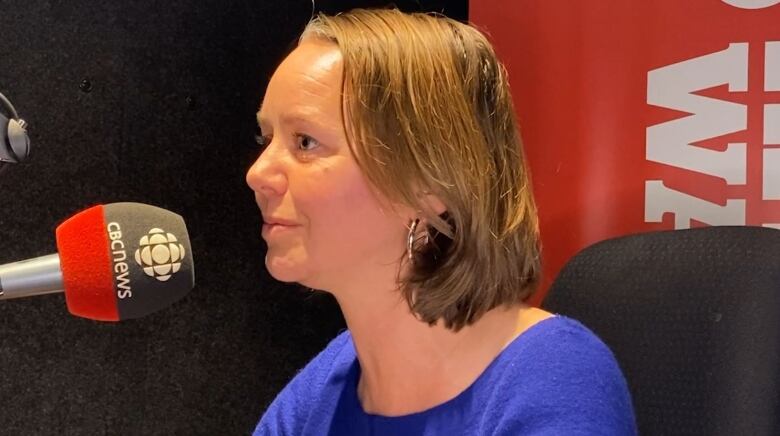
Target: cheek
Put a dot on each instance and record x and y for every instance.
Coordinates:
(347, 222)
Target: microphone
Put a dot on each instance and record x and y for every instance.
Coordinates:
(14, 143)
(114, 262)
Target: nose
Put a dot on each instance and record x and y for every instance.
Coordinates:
(267, 175)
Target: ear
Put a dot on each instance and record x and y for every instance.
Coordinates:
(434, 202)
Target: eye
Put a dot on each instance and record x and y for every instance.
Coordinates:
(306, 142)
(263, 141)
(260, 139)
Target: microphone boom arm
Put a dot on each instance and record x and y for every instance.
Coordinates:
(38, 276)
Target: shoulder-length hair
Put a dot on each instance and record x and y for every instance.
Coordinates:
(429, 111)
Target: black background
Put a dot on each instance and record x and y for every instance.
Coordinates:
(151, 102)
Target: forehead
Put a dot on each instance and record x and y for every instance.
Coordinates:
(309, 77)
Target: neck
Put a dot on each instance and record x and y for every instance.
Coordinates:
(408, 366)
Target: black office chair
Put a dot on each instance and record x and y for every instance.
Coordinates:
(693, 317)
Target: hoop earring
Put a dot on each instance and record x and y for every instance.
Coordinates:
(410, 239)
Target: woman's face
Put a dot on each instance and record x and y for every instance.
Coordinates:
(323, 226)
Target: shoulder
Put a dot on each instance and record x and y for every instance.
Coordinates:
(292, 407)
(558, 377)
(564, 344)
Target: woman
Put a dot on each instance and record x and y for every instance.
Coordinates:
(392, 176)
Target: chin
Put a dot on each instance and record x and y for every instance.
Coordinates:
(300, 270)
(283, 270)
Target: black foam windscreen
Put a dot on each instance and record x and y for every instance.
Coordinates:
(136, 101)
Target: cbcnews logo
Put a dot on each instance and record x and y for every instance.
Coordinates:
(160, 254)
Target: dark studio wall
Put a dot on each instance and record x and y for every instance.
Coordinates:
(151, 102)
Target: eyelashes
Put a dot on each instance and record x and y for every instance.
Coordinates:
(303, 143)
(302, 139)
(260, 140)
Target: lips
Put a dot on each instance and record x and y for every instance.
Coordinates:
(275, 226)
(276, 222)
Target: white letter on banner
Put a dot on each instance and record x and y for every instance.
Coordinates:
(659, 200)
(772, 124)
(771, 186)
(752, 4)
(772, 66)
(671, 86)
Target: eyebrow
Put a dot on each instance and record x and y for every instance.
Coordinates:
(298, 115)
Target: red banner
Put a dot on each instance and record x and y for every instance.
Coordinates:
(643, 115)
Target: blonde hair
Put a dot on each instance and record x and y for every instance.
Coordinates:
(429, 110)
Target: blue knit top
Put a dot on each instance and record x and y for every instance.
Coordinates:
(555, 378)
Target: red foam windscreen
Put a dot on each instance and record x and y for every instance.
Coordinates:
(86, 266)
